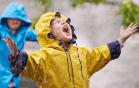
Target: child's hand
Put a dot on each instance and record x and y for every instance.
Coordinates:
(126, 33)
(12, 46)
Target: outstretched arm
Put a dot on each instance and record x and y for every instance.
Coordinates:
(98, 57)
(20, 60)
(17, 59)
(124, 35)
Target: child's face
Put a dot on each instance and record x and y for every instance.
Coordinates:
(61, 30)
(14, 24)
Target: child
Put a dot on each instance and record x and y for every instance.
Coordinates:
(14, 23)
(58, 63)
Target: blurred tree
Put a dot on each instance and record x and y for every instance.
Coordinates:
(77, 2)
(129, 12)
(34, 21)
(45, 3)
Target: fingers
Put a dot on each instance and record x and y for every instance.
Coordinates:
(134, 27)
(130, 25)
(6, 40)
(9, 39)
(10, 43)
(134, 31)
(122, 29)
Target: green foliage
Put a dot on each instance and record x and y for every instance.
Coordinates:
(77, 2)
(129, 12)
(45, 3)
(34, 21)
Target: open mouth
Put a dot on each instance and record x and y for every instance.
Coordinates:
(66, 29)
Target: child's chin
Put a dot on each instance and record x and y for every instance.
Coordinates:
(68, 39)
(65, 38)
(13, 29)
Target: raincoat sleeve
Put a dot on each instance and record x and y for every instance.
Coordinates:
(98, 57)
(35, 65)
(31, 66)
(31, 35)
(18, 63)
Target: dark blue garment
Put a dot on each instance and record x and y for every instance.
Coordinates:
(23, 34)
(115, 49)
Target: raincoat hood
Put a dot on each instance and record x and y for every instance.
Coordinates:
(16, 11)
(43, 28)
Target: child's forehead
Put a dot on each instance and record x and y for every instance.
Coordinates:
(13, 19)
(59, 18)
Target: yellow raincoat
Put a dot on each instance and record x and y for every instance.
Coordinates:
(50, 68)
